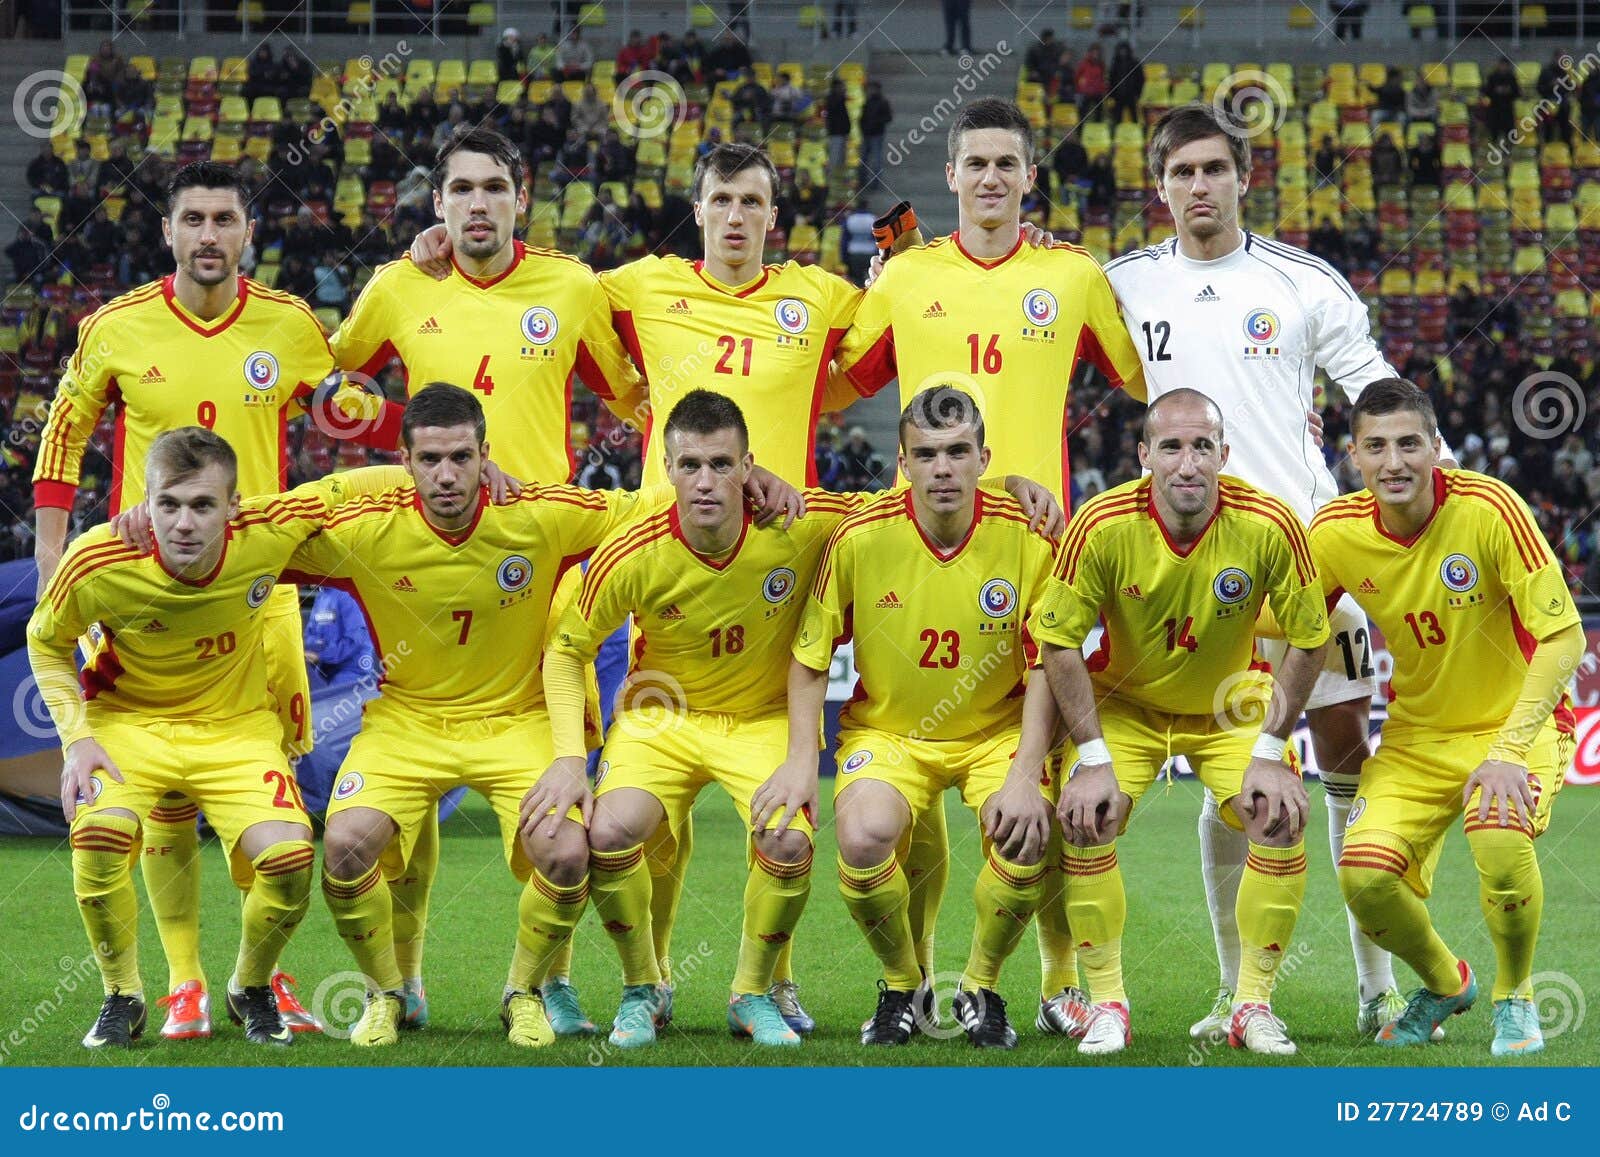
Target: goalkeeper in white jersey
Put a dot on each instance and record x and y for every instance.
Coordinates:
(1250, 321)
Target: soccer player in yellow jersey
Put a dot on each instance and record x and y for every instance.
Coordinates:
(1175, 567)
(1485, 638)
(202, 346)
(175, 699)
(1018, 321)
(715, 603)
(457, 592)
(935, 584)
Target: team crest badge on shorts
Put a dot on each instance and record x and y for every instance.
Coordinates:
(1459, 573)
(856, 762)
(95, 788)
(998, 598)
(514, 574)
(350, 783)
(1355, 810)
(259, 590)
(778, 585)
(261, 370)
(539, 325)
(1231, 586)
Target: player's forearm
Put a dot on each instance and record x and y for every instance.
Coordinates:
(1549, 672)
(50, 539)
(1039, 720)
(1073, 692)
(57, 680)
(1291, 687)
(808, 691)
(564, 698)
(370, 480)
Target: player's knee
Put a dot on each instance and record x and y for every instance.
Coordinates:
(351, 846)
(1339, 736)
(1366, 886)
(867, 835)
(102, 852)
(1504, 857)
(283, 872)
(562, 859)
(610, 832)
(790, 847)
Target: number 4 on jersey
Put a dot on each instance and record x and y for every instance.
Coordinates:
(481, 381)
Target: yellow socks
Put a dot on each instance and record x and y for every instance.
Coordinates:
(620, 884)
(1097, 909)
(1372, 876)
(774, 897)
(102, 881)
(363, 913)
(668, 858)
(1058, 946)
(273, 908)
(171, 863)
(878, 898)
(927, 869)
(1511, 889)
(1006, 895)
(546, 916)
(1270, 893)
(409, 896)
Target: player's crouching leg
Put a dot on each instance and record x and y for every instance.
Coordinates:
(623, 820)
(281, 858)
(102, 881)
(775, 895)
(553, 899)
(358, 896)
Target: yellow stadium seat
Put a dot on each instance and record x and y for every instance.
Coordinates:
(483, 71)
(1456, 154)
(251, 12)
(508, 92)
(203, 68)
(266, 108)
(1421, 18)
(1560, 219)
(258, 148)
(77, 65)
(359, 14)
(420, 73)
(358, 151)
(1459, 195)
(811, 17)
(1395, 283)
(227, 150)
(481, 15)
(1528, 75)
(1556, 154)
(1185, 91)
(1465, 78)
(1572, 303)
(1096, 137)
(233, 109)
(197, 129)
(1527, 261)
(1191, 16)
(702, 16)
(1492, 198)
(1462, 275)
(1523, 175)
(1214, 75)
(1083, 17)
(145, 66)
(1535, 18)
(235, 70)
(1130, 136)
(1430, 283)
(1302, 18)
(1372, 74)
(1063, 116)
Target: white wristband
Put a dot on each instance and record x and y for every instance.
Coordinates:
(1268, 747)
(1094, 751)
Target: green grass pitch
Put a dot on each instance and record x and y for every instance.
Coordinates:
(49, 992)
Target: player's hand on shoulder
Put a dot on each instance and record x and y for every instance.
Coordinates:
(1037, 237)
(1314, 424)
(770, 497)
(786, 792)
(1504, 792)
(84, 758)
(1043, 512)
(1017, 817)
(563, 786)
(502, 487)
(430, 252)
(874, 268)
(132, 526)
(1275, 796)
(1092, 805)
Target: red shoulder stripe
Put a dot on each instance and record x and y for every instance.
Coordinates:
(1284, 519)
(1079, 528)
(652, 530)
(1523, 533)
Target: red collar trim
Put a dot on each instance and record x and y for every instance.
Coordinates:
(1166, 535)
(227, 537)
(731, 290)
(204, 329)
(1440, 490)
(978, 261)
(939, 552)
(518, 252)
(715, 564)
(453, 537)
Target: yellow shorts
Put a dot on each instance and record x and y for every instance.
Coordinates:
(673, 754)
(283, 644)
(921, 770)
(235, 771)
(1142, 740)
(1411, 788)
(400, 766)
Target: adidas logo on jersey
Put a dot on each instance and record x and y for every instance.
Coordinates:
(1132, 591)
(153, 627)
(890, 602)
(1207, 294)
(404, 585)
(152, 375)
(1368, 587)
(680, 307)
(430, 326)
(672, 614)
(934, 310)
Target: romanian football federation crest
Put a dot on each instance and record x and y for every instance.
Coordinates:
(261, 370)
(514, 574)
(998, 598)
(539, 325)
(259, 590)
(856, 762)
(1231, 586)
(1261, 326)
(1039, 307)
(778, 585)
(350, 783)
(792, 315)
(1459, 573)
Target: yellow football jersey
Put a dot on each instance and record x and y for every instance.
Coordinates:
(1010, 332)
(1462, 604)
(459, 620)
(1180, 625)
(767, 345)
(166, 647)
(941, 642)
(160, 367)
(515, 340)
(709, 635)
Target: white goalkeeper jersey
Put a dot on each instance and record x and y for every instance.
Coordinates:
(1250, 330)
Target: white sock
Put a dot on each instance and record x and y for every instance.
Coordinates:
(1374, 966)
(1222, 855)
